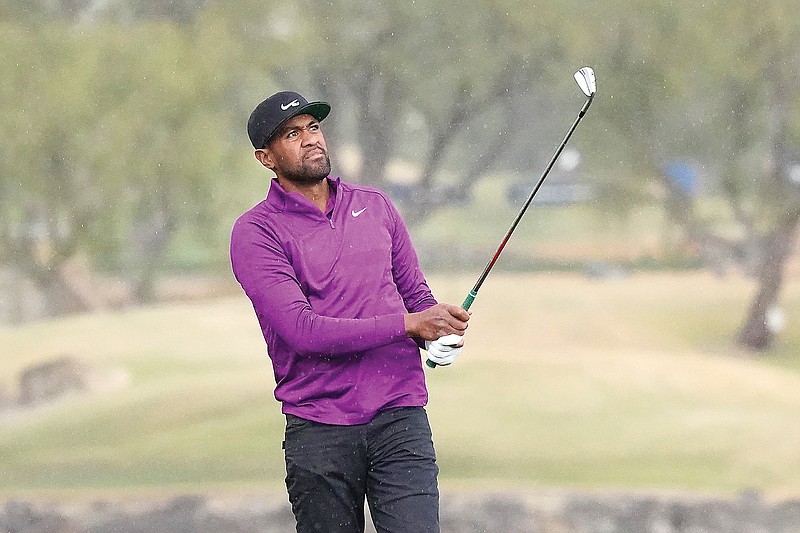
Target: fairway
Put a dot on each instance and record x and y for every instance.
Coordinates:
(565, 382)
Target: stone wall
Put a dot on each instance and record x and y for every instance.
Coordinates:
(552, 512)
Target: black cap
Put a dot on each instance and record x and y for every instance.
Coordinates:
(268, 116)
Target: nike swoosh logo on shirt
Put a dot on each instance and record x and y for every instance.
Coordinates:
(356, 213)
(293, 103)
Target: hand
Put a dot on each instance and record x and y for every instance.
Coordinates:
(436, 322)
(444, 350)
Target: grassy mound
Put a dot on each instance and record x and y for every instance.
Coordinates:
(565, 381)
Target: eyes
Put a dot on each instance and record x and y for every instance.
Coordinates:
(294, 132)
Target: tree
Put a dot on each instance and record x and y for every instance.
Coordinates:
(113, 135)
(724, 93)
(762, 112)
(429, 84)
(120, 120)
(90, 11)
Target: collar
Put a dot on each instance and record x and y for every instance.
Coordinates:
(292, 202)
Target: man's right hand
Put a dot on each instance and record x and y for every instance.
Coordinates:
(436, 322)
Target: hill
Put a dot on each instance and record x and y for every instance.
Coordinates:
(565, 382)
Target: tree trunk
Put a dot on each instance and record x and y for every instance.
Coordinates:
(755, 334)
(49, 260)
(151, 237)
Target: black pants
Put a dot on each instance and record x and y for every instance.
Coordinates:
(390, 461)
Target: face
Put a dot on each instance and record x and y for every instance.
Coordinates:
(297, 151)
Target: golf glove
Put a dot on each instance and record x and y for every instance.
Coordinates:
(443, 351)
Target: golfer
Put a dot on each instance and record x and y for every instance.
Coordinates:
(344, 308)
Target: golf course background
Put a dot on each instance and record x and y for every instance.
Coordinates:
(603, 354)
(566, 381)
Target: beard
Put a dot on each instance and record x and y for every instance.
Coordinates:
(309, 169)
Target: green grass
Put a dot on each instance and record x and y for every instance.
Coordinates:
(565, 382)
(546, 233)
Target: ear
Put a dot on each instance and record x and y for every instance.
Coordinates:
(265, 158)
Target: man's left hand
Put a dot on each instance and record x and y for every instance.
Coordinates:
(444, 350)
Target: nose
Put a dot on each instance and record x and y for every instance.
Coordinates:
(310, 137)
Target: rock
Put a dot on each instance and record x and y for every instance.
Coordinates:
(473, 512)
(21, 517)
(499, 512)
(7, 400)
(47, 381)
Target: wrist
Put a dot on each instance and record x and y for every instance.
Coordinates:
(410, 324)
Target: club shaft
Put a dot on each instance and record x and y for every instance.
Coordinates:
(515, 223)
(474, 292)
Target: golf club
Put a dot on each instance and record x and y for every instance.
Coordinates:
(586, 81)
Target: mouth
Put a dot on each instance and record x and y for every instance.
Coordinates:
(315, 153)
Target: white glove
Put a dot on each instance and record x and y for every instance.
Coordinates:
(444, 350)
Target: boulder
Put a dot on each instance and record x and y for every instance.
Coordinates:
(47, 381)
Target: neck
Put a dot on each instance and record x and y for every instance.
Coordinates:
(317, 192)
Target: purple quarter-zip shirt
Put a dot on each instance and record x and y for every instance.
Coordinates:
(330, 291)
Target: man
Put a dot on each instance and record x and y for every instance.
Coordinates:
(344, 309)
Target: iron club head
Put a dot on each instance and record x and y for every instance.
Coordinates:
(585, 79)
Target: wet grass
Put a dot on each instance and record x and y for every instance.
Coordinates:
(565, 381)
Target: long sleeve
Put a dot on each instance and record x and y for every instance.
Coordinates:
(406, 270)
(330, 291)
(263, 269)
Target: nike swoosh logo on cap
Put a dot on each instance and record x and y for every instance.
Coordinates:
(293, 103)
(356, 213)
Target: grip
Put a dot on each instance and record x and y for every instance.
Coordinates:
(465, 306)
(468, 300)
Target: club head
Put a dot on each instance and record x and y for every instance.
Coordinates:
(585, 79)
